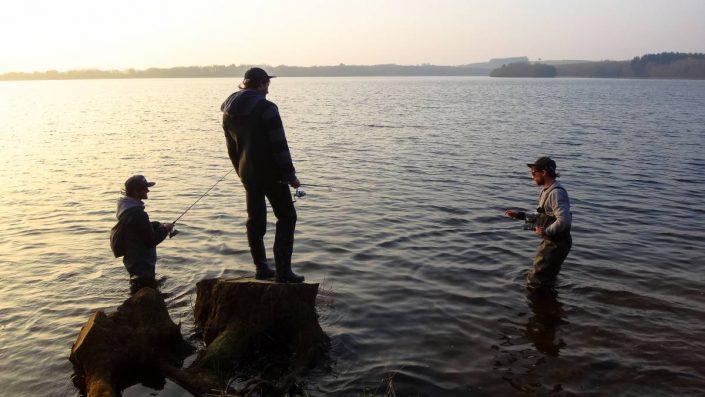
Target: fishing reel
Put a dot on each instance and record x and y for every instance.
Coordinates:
(173, 232)
(538, 218)
(530, 221)
(299, 193)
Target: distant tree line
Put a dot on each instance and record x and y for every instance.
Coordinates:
(524, 69)
(595, 69)
(237, 71)
(669, 64)
(664, 65)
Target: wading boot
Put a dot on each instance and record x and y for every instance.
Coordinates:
(264, 272)
(285, 275)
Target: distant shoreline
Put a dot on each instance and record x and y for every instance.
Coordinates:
(237, 71)
(667, 65)
(358, 76)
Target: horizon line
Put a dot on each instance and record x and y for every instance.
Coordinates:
(127, 69)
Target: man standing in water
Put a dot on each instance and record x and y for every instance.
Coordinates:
(553, 219)
(257, 147)
(139, 236)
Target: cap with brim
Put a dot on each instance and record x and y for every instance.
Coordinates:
(543, 163)
(137, 181)
(257, 74)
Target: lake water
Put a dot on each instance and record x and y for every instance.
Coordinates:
(422, 277)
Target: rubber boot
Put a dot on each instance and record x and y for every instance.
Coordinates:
(264, 272)
(285, 275)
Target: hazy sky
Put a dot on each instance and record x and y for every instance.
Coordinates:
(71, 34)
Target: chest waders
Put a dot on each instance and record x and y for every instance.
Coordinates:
(251, 153)
(551, 252)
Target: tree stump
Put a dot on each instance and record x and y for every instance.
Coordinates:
(128, 346)
(243, 319)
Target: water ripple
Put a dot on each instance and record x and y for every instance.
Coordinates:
(422, 277)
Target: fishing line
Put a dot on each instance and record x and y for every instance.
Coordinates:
(299, 193)
(173, 232)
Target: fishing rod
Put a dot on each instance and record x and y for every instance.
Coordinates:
(298, 194)
(308, 185)
(314, 185)
(301, 193)
(174, 232)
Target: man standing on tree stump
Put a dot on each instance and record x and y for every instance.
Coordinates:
(257, 147)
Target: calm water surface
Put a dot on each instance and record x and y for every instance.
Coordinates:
(422, 276)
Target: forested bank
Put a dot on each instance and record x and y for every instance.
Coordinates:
(665, 65)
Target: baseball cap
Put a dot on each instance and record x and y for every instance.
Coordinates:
(543, 163)
(257, 74)
(137, 182)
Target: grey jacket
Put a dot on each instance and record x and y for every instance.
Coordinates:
(554, 199)
(141, 237)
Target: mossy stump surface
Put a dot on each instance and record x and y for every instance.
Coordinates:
(243, 319)
(128, 346)
(244, 323)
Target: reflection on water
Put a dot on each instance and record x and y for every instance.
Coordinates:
(426, 273)
(547, 316)
(522, 365)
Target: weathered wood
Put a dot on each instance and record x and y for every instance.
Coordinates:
(242, 320)
(117, 350)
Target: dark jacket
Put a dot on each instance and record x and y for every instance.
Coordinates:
(254, 135)
(141, 237)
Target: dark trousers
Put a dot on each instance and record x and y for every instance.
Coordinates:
(279, 198)
(548, 260)
(139, 268)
